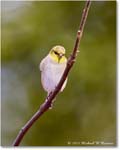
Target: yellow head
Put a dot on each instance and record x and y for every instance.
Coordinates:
(57, 54)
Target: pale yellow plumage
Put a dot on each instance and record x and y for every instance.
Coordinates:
(52, 68)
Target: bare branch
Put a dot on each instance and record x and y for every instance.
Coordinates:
(45, 106)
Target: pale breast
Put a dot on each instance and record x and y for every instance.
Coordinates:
(51, 75)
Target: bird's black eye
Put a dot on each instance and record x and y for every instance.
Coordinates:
(56, 53)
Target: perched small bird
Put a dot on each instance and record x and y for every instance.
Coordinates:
(52, 68)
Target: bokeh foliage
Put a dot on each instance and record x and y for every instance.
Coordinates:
(86, 110)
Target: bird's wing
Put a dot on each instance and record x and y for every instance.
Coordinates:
(42, 64)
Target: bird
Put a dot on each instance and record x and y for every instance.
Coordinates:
(52, 68)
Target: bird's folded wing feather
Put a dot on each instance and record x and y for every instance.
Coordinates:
(42, 63)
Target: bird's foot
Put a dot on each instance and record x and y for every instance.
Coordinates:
(51, 106)
(49, 94)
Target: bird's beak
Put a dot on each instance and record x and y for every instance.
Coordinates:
(60, 56)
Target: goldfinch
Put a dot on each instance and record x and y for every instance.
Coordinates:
(52, 68)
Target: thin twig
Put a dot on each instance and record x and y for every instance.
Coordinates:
(45, 106)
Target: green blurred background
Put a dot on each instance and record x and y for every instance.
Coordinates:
(86, 110)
